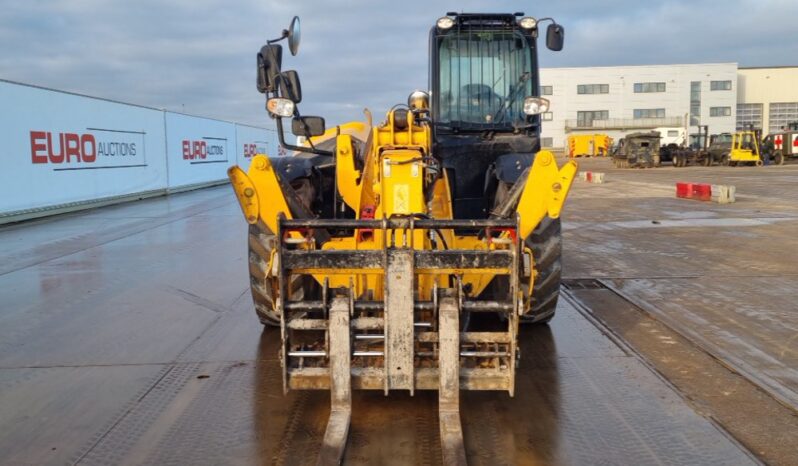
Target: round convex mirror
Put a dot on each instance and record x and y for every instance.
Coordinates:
(294, 35)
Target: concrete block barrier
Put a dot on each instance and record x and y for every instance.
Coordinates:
(722, 194)
(591, 177)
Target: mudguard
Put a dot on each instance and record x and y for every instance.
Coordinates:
(294, 167)
(508, 167)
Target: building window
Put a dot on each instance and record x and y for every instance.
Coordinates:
(586, 118)
(719, 111)
(546, 90)
(547, 116)
(749, 114)
(695, 103)
(547, 142)
(720, 85)
(593, 89)
(649, 87)
(649, 113)
(782, 114)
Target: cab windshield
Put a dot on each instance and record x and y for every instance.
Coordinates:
(723, 138)
(484, 78)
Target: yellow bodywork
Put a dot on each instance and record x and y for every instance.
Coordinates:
(745, 148)
(589, 145)
(396, 171)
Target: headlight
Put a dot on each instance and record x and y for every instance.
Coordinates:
(536, 105)
(280, 107)
(445, 23)
(528, 22)
(418, 100)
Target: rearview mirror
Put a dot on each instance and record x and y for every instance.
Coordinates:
(269, 60)
(308, 126)
(294, 36)
(555, 36)
(289, 86)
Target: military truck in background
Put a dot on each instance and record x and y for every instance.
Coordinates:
(637, 150)
(672, 140)
(781, 146)
(697, 151)
(720, 146)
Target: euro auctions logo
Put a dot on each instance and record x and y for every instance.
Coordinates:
(69, 147)
(206, 150)
(94, 148)
(251, 150)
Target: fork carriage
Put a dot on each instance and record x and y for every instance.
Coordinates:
(349, 340)
(394, 342)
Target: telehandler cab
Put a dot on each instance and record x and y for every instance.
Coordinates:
(404, 255)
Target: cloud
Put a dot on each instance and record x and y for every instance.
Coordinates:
(198, 55)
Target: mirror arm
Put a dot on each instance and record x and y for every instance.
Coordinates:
(282, 36)
(281, 138)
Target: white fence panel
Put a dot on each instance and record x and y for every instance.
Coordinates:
(199, 150)
(251, 141)
(62, 148)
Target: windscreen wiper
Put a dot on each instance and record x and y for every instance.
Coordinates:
(525, 76)
(447, 126)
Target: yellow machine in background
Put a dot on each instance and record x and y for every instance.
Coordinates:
(374, 245)
(589, 145)
(745, 148)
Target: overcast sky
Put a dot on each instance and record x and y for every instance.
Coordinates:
(198, 56)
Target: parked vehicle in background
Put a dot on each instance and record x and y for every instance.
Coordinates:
(744, 149)
(671, 140)
(720, 146)
(589, 145)
(676, 136)
(697, 153)
(781, 146)
(699, 140)
(637, 150)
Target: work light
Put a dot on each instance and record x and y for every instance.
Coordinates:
(445, 23)
(536, 105)
(528, 22)
(278, 106)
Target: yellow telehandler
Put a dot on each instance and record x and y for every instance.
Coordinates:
(404, 255)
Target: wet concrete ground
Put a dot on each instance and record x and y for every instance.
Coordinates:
(127, 337)
(726, 276)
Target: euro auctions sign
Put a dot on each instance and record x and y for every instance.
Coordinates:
(92, 148)
(206, 150)
(251, 150)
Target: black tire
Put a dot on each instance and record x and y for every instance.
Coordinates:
(778, 159)
(724, 160)
(546, 245)
(261, 243)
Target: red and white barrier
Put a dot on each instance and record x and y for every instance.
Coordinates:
(722, 194)
(591, 177)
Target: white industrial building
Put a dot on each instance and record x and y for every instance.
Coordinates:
(619, 100)
(767, 97)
